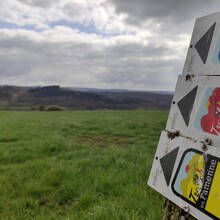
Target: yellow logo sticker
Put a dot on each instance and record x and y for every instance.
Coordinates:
(197, 181)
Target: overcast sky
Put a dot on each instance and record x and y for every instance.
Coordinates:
(121, 44)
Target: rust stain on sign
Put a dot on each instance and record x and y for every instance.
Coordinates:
(172, 135)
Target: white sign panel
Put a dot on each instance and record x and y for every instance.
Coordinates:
(195, 110)
(204, 51)
(187, 175)
(186, 167)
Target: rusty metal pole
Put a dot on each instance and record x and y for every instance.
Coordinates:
(173, 212)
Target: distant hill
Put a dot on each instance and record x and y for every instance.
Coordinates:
(116, 90)
(14, 97)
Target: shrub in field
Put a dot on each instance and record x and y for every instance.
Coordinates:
(55, 108)
(41, 107)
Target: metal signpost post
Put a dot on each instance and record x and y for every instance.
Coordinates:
(186, 167)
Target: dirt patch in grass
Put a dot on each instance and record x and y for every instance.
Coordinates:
(103, 141)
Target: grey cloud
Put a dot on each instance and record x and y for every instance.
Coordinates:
(74, 10)
(110, 62)
(170, 10)
(72, 63)
(38, 3)
(138, 50)
(147, 74)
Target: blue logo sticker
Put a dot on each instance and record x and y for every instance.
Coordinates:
(216, 55)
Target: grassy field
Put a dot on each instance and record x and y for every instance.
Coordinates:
(78, 165)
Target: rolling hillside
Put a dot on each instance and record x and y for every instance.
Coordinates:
(13, 97)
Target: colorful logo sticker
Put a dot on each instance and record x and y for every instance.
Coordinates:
(208, 117)
(216, 55)
(197, 181)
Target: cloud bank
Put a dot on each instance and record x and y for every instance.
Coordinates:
(120, 44)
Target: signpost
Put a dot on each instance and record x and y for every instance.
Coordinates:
(186, 167)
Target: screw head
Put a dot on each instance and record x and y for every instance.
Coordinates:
(186, 208)
(207, 141)
(205, 147)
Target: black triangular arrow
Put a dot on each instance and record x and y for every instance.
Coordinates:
(186, 105)
(203, 45)
(167, 163)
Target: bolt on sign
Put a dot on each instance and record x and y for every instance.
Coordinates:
(186, 167)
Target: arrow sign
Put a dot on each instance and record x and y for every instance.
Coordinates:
(167, 163)
(186, 105)
(203, 45)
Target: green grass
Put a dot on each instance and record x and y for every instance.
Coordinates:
(78, 165)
